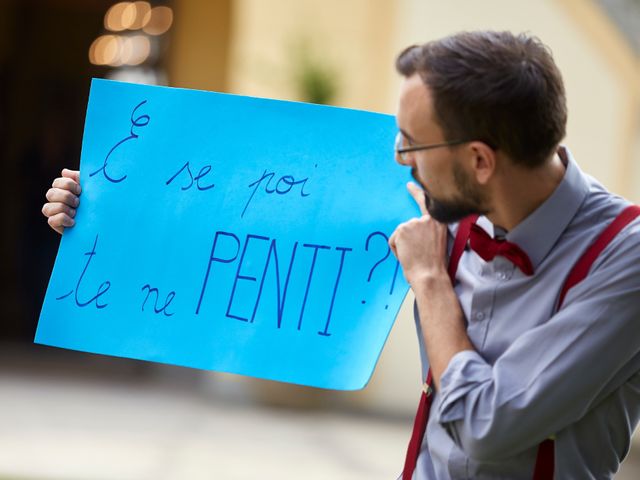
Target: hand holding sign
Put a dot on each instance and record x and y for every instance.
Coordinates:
(230, 233)
(63, 200)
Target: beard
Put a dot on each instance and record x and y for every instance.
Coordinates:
(469, 200)
(450, 211)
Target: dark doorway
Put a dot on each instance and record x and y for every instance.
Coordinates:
(44, 84)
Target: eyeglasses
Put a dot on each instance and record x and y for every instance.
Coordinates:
(402, 150)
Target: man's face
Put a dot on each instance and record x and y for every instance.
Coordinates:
(451, 193)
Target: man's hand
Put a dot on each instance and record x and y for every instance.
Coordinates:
(421, 248)
(420, 245)
(63, 200)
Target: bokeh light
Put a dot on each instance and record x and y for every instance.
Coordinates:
(114, 16)
(128, 16)
(158, 20)
(105, 50)
(142, 10)
(135, 49)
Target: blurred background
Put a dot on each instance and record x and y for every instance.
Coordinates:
(70, 415)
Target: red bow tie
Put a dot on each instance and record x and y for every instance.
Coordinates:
(488, 248)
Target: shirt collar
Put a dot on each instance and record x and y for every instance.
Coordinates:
(538, 232)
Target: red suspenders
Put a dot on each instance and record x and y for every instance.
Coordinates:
(424, 406)
(545, 460)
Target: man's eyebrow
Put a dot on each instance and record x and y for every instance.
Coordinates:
(409, 137)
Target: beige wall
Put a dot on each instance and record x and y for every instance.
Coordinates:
(352, 38)
(634, 176)
(608, 42)
(200, 44)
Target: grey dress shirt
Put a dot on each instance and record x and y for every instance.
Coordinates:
(537, 372)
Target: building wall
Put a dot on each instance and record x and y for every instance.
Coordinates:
(351, 39)
(200, 44)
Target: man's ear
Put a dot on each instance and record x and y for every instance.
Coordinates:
(482, 161)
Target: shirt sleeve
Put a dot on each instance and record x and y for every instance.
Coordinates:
(424, 361)
(553, 374)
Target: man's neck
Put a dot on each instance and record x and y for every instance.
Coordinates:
(521, 191)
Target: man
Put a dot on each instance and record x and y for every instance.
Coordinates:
(481, 117)
(520, 381)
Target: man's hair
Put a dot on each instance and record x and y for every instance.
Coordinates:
(496, 87)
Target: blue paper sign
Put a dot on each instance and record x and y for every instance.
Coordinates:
(230, 233)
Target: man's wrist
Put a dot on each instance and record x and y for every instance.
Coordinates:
(431, 282)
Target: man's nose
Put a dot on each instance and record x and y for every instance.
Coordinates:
(404, 159)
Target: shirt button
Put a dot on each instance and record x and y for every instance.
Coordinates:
(502, 275)
(480, 316)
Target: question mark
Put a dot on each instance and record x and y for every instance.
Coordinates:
(395, 273)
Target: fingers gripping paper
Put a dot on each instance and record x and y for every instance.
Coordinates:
(231, 233)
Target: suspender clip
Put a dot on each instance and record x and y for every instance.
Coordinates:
(426, 388)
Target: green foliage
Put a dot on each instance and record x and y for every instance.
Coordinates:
(315, 81)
